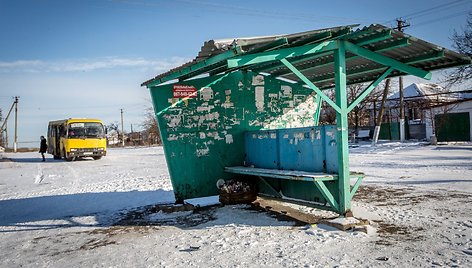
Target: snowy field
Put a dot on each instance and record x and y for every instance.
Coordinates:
(100, 214)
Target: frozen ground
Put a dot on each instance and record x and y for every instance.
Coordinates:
(102, 214)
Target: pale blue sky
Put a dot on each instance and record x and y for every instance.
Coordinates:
(88, 58)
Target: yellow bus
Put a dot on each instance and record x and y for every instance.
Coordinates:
(74, 138)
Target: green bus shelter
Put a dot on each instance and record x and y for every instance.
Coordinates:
(262, 87)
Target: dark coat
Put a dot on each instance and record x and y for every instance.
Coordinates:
(44, 147)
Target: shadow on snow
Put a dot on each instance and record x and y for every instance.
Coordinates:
(72, 210)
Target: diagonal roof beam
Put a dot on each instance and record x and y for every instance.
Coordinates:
(369, 69)
(275, 65)
(386, 61)
(221, 67)
(373, 38)
(395, 44)
(310, 84)
(313, 39)
(369, 89)
(282, 42)
(281, 54)
(377, 37)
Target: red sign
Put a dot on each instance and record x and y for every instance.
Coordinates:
(184, 91)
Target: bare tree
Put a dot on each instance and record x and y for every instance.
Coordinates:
(114, 129)
(462, 42)
(360, 115)
(150, 127)
(328, 114)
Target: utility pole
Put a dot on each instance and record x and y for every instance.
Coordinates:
(15, 143)
(4, 125)
(122, 130)
(401, 24)
(6, 135)
(378, 121)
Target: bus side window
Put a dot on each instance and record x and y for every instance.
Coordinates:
(61, 131)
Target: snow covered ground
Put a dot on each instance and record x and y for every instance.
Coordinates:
(100, 213)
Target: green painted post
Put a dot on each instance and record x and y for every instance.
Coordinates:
(342, 129)
(316, 116)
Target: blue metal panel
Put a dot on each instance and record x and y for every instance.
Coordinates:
(331, 151)
(261, 149)
(308, 149)
(302, 149)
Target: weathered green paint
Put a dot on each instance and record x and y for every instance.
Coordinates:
(342, 128)
(202, 136)
(309, 83)
(280, 54)
(213, 81)
(386, 61)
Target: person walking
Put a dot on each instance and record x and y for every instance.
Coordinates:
(43, 147)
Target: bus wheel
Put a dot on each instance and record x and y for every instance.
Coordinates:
(65, 156)
(96, 157)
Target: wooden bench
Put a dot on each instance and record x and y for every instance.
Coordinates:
(298, 164)
(288, 174)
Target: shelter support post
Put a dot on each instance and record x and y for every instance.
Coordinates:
(344, 195)
(316, 117)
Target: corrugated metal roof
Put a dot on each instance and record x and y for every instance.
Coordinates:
(319, 68)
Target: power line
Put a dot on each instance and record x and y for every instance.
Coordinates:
(432, 10)
(238, 10)
(419, 13)
(440, 19)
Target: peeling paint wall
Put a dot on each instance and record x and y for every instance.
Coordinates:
(204, 134)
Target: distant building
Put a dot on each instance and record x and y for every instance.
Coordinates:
(426, 107)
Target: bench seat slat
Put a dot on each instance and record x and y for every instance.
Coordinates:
(287, 174)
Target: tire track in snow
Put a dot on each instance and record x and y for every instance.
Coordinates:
(40, 176)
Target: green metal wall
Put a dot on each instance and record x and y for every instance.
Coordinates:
(390, 131)
(452, 126)
(202, 135)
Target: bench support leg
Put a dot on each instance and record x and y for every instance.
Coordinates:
(356, 186)
(277, 194)
(327, 194)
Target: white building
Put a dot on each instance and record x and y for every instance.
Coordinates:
(426, 103)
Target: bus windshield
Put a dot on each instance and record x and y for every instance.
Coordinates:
(85, 130)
